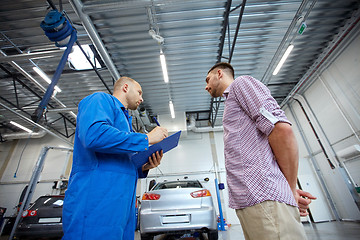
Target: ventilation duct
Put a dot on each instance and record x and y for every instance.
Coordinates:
(13, 136)
(192, 127)
(349, 152)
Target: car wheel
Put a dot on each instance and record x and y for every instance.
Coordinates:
(147, 237)
(213, 235)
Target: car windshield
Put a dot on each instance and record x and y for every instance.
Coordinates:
(178, 184)
(48, 201)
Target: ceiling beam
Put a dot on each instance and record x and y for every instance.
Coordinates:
(34, 55)
(35, 124)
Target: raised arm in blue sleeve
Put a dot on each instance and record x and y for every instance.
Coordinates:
(103, 126)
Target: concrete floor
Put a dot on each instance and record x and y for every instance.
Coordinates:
(333, 231)
(315, 231)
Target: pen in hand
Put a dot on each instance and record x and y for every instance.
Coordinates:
(159, 131)
(156, 121)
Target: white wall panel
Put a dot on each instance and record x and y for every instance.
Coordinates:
(353, 167)
(332, 102)
(28, 154)
(6, 149)
(193, 154)
(308, 178)
(343, 79)
(307, 131)
(344, 203)
(25, 157)
(326, 112)
(319, 208)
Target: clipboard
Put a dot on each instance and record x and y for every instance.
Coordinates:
(140, 158)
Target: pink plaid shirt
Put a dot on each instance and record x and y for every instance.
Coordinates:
(253, 175)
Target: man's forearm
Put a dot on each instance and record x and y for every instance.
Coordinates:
(284, 146)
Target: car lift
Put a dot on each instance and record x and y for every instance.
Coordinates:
(32, 184)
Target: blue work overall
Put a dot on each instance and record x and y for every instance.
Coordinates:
(100, 200)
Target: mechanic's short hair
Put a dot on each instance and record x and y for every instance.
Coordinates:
(121, 81)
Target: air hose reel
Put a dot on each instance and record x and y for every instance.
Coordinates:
(59, 30)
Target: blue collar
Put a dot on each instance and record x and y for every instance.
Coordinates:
(126, 112)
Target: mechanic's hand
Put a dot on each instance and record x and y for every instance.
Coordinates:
(303, 201)
(157, 134)
(154, 161)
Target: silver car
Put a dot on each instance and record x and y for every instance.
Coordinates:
(177, 207)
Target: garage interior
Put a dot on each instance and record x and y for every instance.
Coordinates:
(318, 87)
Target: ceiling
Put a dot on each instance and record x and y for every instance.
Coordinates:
(252, 35)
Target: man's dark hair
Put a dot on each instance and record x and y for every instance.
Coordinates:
(224, 66)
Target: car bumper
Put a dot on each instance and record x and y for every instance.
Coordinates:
(39, 230)
(177, 220)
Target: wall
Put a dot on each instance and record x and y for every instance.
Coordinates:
(332, 104)
(20, 157)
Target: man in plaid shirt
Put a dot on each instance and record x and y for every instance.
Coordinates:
(261, 158)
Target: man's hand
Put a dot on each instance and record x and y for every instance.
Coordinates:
(157, 134)
(154, 161)
(303, 199)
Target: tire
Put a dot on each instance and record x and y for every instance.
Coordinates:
(147, 237)
(213, 235)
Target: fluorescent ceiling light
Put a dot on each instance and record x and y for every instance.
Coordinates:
(77, 59)
(283, 59)
(172, 112)
(163, 66)
(20, 126)
(45, 77)
(72, 113)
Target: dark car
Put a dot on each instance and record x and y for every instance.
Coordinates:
(42, 219)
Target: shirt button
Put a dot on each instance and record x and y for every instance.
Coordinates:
(145, 148)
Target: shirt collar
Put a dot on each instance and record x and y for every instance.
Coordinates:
(126, 112)
(120, 103)
(128, 117)
(226, 92)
